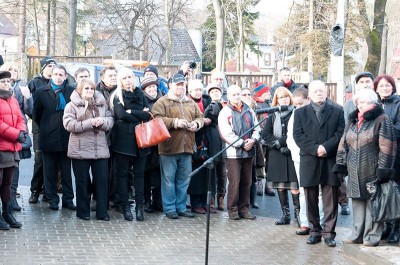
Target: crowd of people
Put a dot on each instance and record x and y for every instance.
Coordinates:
(312, 147)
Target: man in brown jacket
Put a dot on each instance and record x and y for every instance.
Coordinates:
(182, 117)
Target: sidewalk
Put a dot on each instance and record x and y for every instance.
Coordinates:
(49, 237)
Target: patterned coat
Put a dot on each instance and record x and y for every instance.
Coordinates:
(368, 152)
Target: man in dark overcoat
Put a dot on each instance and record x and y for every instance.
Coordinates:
(317, 130)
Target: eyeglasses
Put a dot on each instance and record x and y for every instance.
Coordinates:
(283, 97)
(246, 94)
(4, 81)
(87, 88)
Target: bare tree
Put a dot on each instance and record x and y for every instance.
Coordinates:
(22, 26)
(220, 35)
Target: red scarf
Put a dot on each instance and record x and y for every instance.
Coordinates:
(288, 84)
(361, 115)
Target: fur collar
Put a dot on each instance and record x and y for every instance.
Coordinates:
(369, 115)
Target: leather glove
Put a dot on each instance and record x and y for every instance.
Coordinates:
(284, 151)
(340, 176)
(21, 137)
(276, 144)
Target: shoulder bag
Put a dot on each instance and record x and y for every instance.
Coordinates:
(151, 133)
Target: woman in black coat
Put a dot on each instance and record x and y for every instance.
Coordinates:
(281, 172)
(130, 108)
(385, 87)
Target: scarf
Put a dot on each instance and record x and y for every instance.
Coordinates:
(107, 91)
(199, 103)
(318, 109)
(58, 89)
(361, 115)
(278, 121)
(6, 94)
(288, 84)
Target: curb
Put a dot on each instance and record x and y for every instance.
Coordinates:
(362, 254)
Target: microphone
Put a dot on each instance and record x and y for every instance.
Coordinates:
(272, 110)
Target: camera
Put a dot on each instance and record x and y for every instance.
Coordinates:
(192, 65)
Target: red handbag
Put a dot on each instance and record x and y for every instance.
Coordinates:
(151, 133)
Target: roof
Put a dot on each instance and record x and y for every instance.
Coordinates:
(183, 48)
(231, 66)
(7, 27)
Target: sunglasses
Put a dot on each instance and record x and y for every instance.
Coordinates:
(88, 88)
(246, 94)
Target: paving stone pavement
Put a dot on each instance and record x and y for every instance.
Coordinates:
(58, 237)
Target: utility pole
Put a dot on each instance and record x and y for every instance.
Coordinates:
(337, 62)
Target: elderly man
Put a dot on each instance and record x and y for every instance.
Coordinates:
(235, 119)
(48, 110)
(317, 130)
(183, 118)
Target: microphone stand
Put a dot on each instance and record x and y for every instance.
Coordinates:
(209, 163)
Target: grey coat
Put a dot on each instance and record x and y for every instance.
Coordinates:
(85, 141)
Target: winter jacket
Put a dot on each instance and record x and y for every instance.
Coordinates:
(366, 153)
(86, 141)
(123, 138)
(291, 88)
(309, 133)
(170, 109)
(281, 167)
(11, 124)
(52, 136)
(232, 123)
(33, 85)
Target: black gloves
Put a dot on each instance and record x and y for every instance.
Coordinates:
(22, 137)
(284, 151)
(340, 176)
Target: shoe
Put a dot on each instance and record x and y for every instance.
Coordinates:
(14, 203)
(212, 209)
(345, 210)
(234, 216)
(8, 216)
(86, 218)
(220, 202)
(370, 244)
(148, 207)
(106, 218)
(172, 215)
(312, 240)
(255, 206)
(44, 198)
(303, 231)
(284, 201)
(269, 192)
(199, 210)
(186, 214)
(53, 206)
(330, 242)
(127, 212)
(248, 216)
(3, 224)
(34, 198)
(260, 187)
(394, 235)
(139, 212)
(387, 227)
(70, 206)
(351, 241)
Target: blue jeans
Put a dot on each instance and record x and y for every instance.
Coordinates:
(175, 170)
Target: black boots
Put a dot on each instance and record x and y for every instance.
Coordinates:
(253, 193)
(34, 197)
(139, 212)
(283, 198)
(8, 217)
(3, 224)
(394, 235)
(126, 209)
(387, 228)
(14, 203)
(296, 204)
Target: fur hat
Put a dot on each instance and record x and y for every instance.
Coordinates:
(150, 80)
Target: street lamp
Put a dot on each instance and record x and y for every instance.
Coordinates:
(85, 35)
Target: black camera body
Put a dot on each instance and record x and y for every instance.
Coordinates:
(192, 65)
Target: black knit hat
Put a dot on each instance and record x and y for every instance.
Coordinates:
(5, 74)
(151, 68)
(150, 80)
(45, 61)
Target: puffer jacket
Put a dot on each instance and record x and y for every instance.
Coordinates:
(169, 108)
(86, 141)
(11, 124)
(366, 153)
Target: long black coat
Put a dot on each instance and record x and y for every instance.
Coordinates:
(123, 139)
(53, 137)
(309, 133)
(281, 167)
